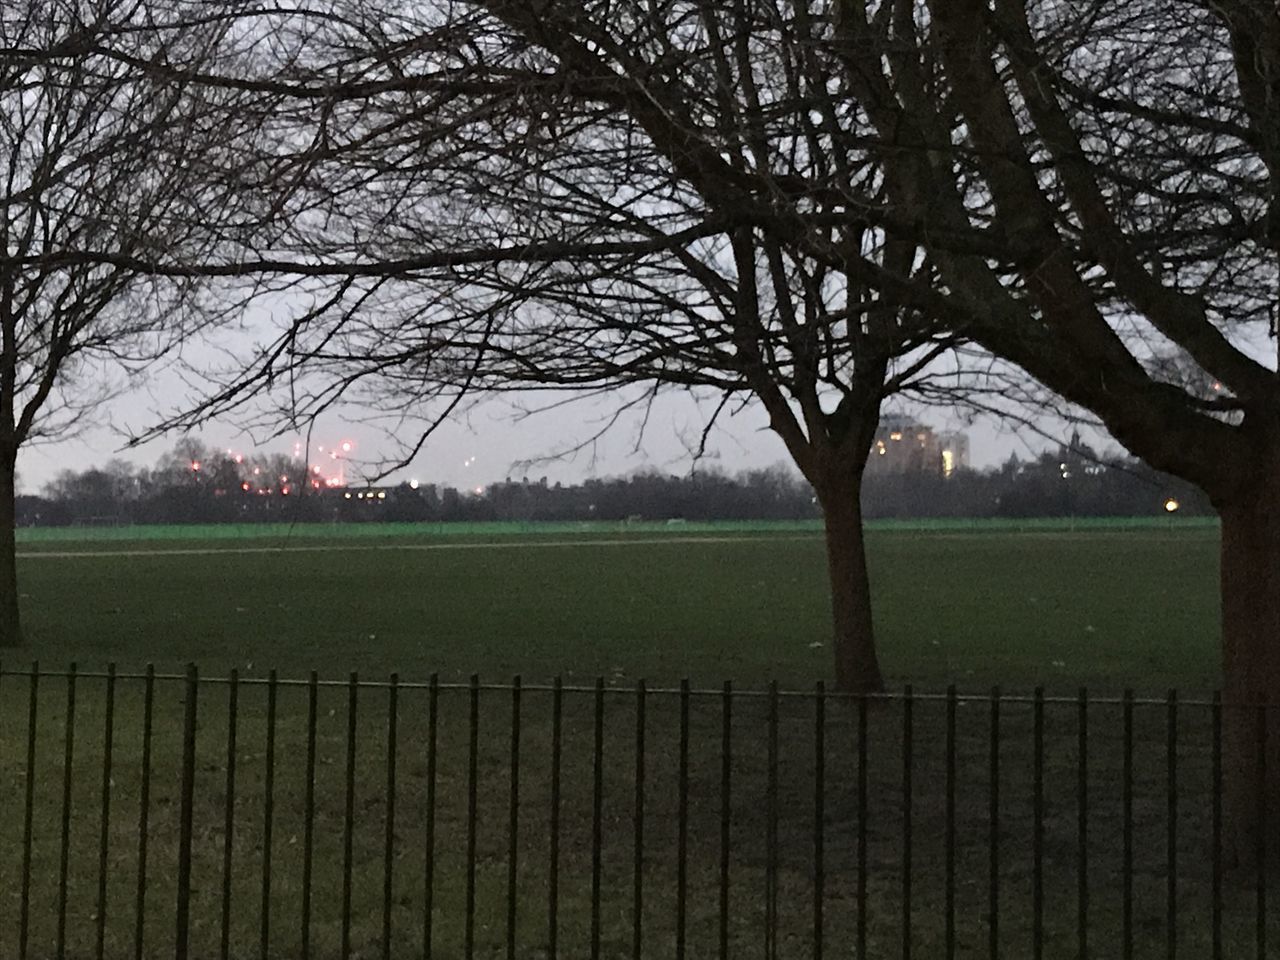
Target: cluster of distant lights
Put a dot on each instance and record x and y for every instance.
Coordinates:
(317, 478)
(371, 495)
(316, 473)
(375, 495)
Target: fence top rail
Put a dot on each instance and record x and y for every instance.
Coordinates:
(819, 690)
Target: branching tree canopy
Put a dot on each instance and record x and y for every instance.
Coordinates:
(98, 159)
(467, 216)
(1095, 184)
(1084, 187)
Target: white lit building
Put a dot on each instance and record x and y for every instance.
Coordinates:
(903, 445)
(954, 451)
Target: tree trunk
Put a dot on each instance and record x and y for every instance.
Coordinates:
(10, 624)
(1251, 671)
(857, 666)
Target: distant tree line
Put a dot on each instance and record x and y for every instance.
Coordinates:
(193, 484)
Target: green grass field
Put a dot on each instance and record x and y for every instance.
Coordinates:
(1049, 604)
(1046, 605)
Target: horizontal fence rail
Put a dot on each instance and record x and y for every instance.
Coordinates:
(152, 815)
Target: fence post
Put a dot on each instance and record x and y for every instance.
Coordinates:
(24, 922)
(862, 828)
(771, 831)
(1082, 824)
(1260, 855)
(908, 749)
(553, 829)
(819, 813)
(60, 950)
(389, 837)
(1126, 801)
(949, 930)
(180, 951)
(682, 824)
(993, 831)
(726, 810)
(637, 843)
(1037, 825)
(104, 836)
(513, 820)
(309, 811)
(144, 811)
(597, 816)
(268, 816)
(1171, 853)
(349, 812)
(429, 837)
(229, 814)
(473, 787)
(1216, 814)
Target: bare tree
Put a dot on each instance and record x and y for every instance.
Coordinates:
(1085, 187)
(486, 197)
(1095, 183)
(100, 158)
(733, 320)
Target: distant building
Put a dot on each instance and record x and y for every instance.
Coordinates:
(954, 450)
(1076, 458)
(903, 445)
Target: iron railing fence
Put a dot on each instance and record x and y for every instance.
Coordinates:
(151, 815)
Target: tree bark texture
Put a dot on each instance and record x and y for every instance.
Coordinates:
(10, 621)
(1251, 671)
(857, 666)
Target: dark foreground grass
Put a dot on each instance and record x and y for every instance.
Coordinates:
(1057, 608)
(766, 797)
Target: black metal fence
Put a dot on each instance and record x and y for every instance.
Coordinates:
(183, 816)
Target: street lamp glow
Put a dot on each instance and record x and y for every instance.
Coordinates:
(1171, 505)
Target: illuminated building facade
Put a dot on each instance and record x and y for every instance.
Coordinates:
(953, 448)
(903, 445)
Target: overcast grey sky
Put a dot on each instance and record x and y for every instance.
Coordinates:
(489, 442)
(486, 444)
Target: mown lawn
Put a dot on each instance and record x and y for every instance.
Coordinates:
(1133, 607)
(1058, 608)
